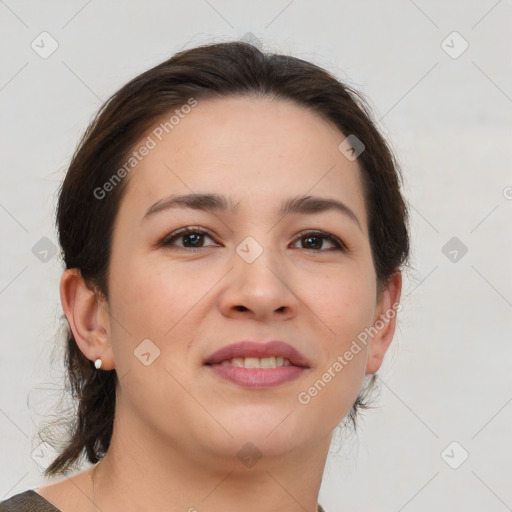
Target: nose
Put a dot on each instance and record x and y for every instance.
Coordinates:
(260, 290)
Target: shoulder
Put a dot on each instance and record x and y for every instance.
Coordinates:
(28, 501)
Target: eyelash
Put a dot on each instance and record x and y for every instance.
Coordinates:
(167, 241)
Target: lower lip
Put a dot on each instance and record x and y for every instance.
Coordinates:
(257, 378)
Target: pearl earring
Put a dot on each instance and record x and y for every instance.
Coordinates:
(97, 363)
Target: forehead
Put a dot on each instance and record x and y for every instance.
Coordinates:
(252, 148)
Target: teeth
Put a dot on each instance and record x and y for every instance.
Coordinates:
(255, 362)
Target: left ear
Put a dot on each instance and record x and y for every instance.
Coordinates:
(384, 323)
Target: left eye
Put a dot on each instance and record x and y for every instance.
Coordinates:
(315, 238)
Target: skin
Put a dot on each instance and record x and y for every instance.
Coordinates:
(178, 427)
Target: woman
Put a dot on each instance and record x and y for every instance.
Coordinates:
(233, 233)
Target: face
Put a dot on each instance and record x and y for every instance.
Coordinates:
(305, 278)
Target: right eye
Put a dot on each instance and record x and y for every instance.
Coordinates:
(191, 236)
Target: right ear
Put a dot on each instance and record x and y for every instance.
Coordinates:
(88, 318)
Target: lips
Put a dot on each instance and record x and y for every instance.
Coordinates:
(260, 350)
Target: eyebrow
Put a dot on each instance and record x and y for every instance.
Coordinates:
(217, 202)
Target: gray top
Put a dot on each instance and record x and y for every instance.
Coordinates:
(28, 501)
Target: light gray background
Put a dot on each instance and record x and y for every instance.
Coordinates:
(447, 377)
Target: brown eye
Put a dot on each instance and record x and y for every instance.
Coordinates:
(191, 238)
(315, 240)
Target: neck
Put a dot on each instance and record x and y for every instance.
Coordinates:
(140, 472)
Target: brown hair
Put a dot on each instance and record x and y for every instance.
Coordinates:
(85, 223)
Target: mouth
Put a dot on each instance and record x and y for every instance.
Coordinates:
(258, 365)
(257, 362)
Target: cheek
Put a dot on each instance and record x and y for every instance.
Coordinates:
(161, 304)
(344, 300)
(166, 304)
(343, 307)
(152, 298)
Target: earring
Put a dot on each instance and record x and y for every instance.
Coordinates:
(97, 363)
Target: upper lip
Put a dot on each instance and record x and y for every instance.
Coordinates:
(259, 350)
